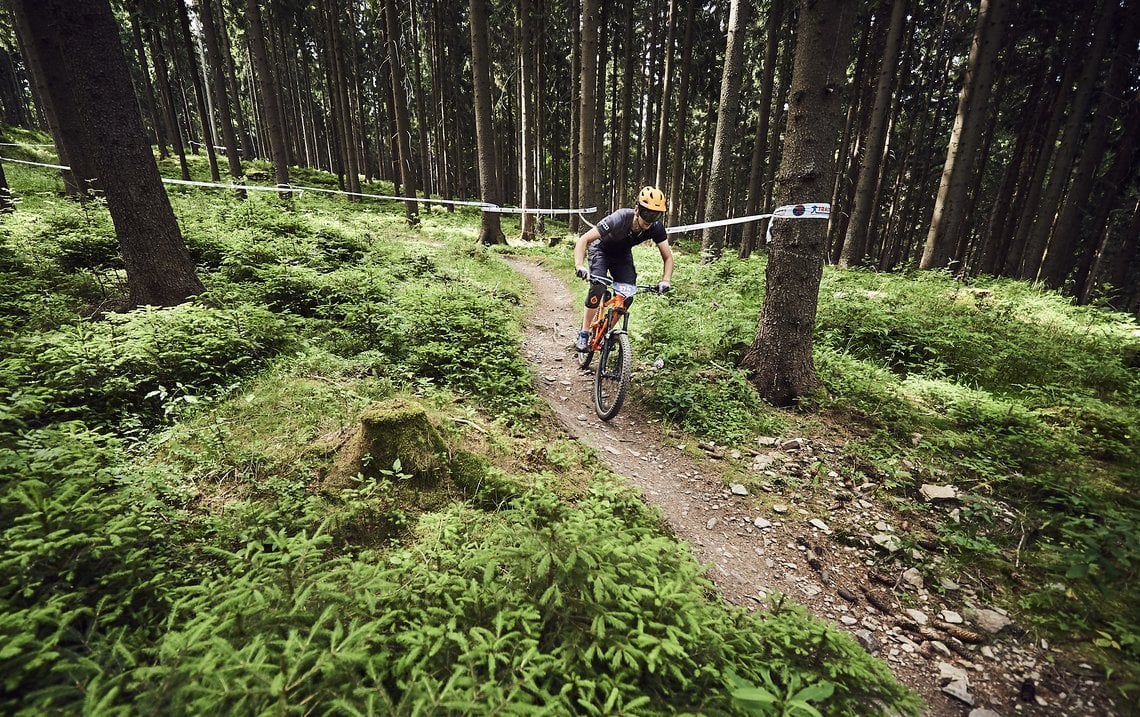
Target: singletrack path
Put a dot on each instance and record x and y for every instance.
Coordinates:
(757, 544)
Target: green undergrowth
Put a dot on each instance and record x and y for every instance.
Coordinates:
(171, 541)
(1027, 404)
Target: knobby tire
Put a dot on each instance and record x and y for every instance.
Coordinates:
(584, 358)
(611, 381)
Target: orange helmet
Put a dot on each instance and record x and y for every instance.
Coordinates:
(651, 199)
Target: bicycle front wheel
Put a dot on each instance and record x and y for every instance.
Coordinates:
(584, 358)
(611, 382)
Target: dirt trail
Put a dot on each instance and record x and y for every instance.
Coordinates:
(768, 543)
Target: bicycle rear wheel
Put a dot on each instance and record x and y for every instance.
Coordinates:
(611, 382)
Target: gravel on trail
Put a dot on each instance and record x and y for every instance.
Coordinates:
(784, 541)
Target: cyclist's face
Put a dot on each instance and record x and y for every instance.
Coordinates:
(647, 216)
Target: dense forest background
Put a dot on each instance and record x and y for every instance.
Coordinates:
(993, 138)
(181, 366)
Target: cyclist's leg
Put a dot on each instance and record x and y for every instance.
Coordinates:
(598, 267)
(622, 270)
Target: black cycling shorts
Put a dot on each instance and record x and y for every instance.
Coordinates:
(620, 269)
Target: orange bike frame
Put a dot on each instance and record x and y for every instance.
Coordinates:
(607, 317)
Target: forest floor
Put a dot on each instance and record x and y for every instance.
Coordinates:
(783, 541)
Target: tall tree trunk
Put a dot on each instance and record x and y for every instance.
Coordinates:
(80, 40)
(268, 94)
(147, 98)
(587, 154)
(780, 359)
(779, 117)
(763, 117)
(1042, 144)
(624, 134)
(527, 128)
(712, 238)
(417, 88)
(403, 126)
(600, 178)
(575, 111)
(855, 243)
(199, 90)
(1061, 258)
(247, 151)
(950, 205)
(666, 91)
(491, 231)
(166, 95)
(677, 151)
(12, 92)
(1038, 238)
(858, 113)
(999, 223)
(1114, 183)
(7, 200)
(63, 120)
(218, 81)
(1124, 248)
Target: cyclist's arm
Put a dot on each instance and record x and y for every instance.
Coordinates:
(666, 261)
(582, 243)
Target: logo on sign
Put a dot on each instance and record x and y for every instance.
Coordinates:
(798, 210)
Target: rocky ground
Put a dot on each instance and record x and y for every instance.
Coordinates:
(819, 540)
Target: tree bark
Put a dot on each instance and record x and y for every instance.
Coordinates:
(780, 360)
(268, 94)
(166, 97)
(666, 92)
(950, 205)
(763, 118)
(1038, 239)
(1115, 183)
(416, 88)
(247, 150)
(12, 93)
(199, 90)
(677, 150)
(403, 126)
(527, 119)
(1060, 258)
(218, 81)
(80, 39)
(1043, 142)
(147, 86)
(47, 72)
(712, 238)
(587, 156)
(491, 231)
(855, 243)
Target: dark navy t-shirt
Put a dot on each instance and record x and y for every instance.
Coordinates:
(617, 235)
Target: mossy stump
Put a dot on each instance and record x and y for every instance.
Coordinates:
(395, 429)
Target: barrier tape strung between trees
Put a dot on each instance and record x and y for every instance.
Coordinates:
(298, 190)
(809, 210)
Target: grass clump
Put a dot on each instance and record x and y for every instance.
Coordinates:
(170, 541)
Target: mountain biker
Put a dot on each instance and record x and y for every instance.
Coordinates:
(611, 244)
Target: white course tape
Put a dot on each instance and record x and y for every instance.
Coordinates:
(812, 210)
(252, 187)
(23, 144)
(520, 210)
(36, 164)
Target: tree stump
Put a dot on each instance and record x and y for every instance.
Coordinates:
(397, 429)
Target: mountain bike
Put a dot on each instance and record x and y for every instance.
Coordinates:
(611, 342)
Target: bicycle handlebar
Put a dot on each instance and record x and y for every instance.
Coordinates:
(606, 281)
